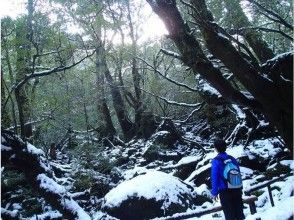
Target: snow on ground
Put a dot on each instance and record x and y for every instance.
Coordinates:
(5, 148)
(289, 163)
(101, 215)
(197, 171)
(47, 215)
(184, 161)
(154, 184)
(236, 151)
(128, 174)
(74, 206)
(187, 160)
(282, 210)
(13, 213)
(266, 148)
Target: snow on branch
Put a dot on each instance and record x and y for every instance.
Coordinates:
(171, 53)
(173, 102)
(191, 114)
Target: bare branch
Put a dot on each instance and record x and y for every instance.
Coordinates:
(167, 78)
(191, 114)
(31, 122)
(48, 72)
(49, 53)
(278, 19)
(172, 102)
(276, 31)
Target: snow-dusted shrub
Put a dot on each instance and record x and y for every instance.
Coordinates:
(104, 165)
(83, 181)
(148, 196)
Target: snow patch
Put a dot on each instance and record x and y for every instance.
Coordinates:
(236, 151)
(187, 160)
(47, 215)
(74, 206)
(129, 174)
(5, 148)
(33, 150)
(13, 213)
(265, 148)
(49, 184)
(240, 113)
(282, 210)
(289, 163)
(153, 185)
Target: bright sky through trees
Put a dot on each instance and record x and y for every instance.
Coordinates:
(152, 27)
(12, 8)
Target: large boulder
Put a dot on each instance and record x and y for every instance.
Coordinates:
(147, 196)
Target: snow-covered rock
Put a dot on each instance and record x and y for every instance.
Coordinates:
(153, 194)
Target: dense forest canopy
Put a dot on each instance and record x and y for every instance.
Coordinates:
(83, 77)
(88, 66)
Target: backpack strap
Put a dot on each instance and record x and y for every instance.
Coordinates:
(223, 161)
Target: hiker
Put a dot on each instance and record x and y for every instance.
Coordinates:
(226, 182)
(52, 151)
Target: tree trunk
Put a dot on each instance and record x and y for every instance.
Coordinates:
(138, 105)
(120, 109)
(118, 102)
(12, 81)
(277, 106)
(276, 97)
(23, 66)
(192, 54)
(107, 128)
(5, 119)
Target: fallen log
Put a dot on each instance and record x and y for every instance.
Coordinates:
(198, 213)
(32, 162)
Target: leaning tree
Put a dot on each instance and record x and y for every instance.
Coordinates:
(270, 83)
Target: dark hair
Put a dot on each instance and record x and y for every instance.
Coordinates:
(220, 145)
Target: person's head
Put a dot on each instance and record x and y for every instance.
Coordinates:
(220, 145)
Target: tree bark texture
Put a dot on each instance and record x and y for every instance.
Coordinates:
(138, 104)
(273, 100)
(118, 103)
(276, 97)
(192, 54)
(107, 129)
(24, 35)
(5, 119)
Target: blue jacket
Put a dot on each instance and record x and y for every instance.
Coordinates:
(218, 182)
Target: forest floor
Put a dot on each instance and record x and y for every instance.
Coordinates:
(174, 175)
